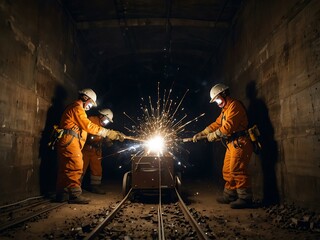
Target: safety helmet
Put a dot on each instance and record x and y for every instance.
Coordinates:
(216, 90)
(108, 113)
(89, 93)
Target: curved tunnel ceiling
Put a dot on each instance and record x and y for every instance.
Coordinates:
(134, 44)
(152, 32)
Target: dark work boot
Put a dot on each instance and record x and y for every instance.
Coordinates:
(78, 200)
(227, 197)
(97, 189)
(241, 203)
(244, 200)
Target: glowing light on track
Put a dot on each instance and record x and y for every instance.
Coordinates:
(155, 145)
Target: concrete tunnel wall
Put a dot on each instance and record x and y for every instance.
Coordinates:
(274, 51)
(277, 56)
(39, 58)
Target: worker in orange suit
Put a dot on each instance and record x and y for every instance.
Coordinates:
(92, 151)
(231, 125)
(76, 126)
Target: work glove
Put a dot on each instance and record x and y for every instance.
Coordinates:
(103, 132)
(213, 137)
(197, 136)
(121, 137)
(115, 135)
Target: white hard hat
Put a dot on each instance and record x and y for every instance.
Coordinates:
(89, 93)
(108, 113)
(216, 90)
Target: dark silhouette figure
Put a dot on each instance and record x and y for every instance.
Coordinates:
(48, 156)
(258, 114)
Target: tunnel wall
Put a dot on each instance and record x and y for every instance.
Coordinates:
(272, 65)
(39, 62)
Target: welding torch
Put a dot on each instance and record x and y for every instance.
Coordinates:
(191, 139)
(134, 139)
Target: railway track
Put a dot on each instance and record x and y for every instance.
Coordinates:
(152, 219)
(15, 214)
(160, 221)
(156, 219)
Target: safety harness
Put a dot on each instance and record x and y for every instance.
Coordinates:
(252, 133)
(57, 134)
(234, 138)
(71, 132)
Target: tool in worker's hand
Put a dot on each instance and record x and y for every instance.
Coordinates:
(134, 139)
(191, 139)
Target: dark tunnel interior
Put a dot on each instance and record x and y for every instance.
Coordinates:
(138, 55)
(246, 165)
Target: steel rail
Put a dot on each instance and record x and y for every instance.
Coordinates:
(29, 216)
(20, 202)
(192, 221)
(161, 234)
(105, 222)
(17, 209)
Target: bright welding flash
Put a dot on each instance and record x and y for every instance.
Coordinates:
(155, 145)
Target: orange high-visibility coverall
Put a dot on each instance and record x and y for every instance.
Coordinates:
(69, 147)
(92, 155)
(232, 119)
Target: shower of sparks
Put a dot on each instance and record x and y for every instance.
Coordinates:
(155, 145)
(160, 121)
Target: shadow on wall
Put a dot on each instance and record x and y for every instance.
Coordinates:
(258, 114)
(49, 164)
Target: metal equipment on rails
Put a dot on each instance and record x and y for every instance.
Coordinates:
(150, 174)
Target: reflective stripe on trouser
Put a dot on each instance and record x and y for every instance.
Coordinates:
(69, 169)
(235, 166)
(244, 193)
(95, 180)
(75, 191)
(92, 158)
